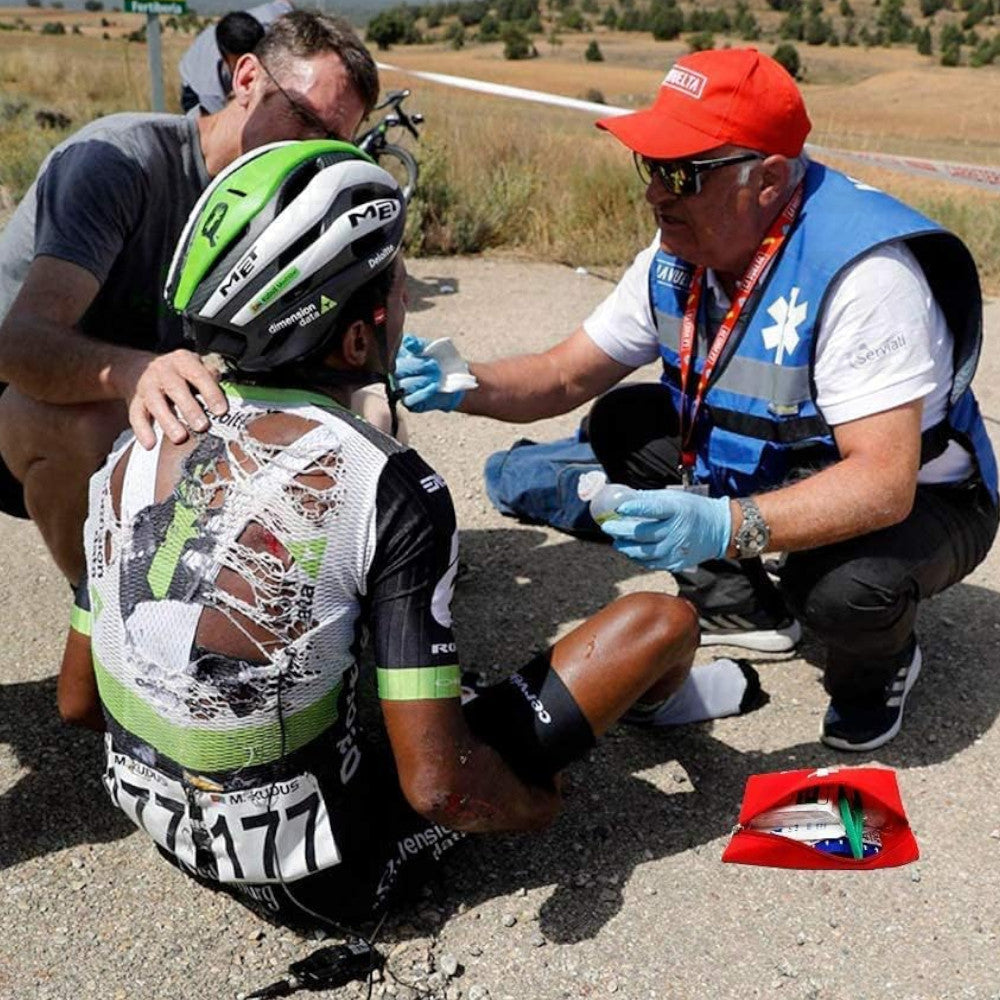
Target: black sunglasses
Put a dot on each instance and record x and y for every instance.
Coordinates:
(305, 114)
(681, 177)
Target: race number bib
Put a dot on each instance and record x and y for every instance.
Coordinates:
(271, 833)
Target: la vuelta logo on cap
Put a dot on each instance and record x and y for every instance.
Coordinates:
(687, 81)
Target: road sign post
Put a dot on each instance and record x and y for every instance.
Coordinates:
(153, 9)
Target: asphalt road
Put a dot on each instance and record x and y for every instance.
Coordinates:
(626, 894)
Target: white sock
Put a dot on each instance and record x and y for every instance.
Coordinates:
(711, 691)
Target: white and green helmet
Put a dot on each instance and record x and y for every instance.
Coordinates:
(277, 244)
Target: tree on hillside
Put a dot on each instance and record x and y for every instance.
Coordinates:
(572, 20)
(745, 23)
(517, 44)
(896, 22)
(701, 41)
(454, 35)
(788, 56)
(472, 12)
(93, 5)
(386, 28)
(593, 52)
(666, 21)
(515, 10)
(816, 31)
(489, 29)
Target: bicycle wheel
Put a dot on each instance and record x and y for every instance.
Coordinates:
(401, 164)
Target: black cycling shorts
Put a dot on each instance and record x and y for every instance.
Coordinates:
(531, 719)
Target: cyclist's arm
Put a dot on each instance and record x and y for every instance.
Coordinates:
(76, 691)
(450, 778)
(532, 386)
(445, 773)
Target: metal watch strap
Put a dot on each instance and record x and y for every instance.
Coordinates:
(753, 534)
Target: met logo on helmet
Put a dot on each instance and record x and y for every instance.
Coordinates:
(383, 211)
(242, 270)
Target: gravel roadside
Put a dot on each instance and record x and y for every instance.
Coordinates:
(625, 895)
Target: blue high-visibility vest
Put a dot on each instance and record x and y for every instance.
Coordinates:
(758, 426)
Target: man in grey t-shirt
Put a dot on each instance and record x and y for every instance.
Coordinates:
(85, 343)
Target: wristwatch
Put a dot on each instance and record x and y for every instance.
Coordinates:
(753, 534)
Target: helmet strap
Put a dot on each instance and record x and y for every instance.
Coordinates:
(392, 391)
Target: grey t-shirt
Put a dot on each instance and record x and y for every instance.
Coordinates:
(113, 198)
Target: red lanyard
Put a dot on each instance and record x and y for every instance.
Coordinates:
(766, 252)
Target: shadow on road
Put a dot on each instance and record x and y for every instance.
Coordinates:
(640, 795)
(60, 801)
(616, 817)
(422, 293)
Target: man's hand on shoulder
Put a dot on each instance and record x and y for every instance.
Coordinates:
(163, 389)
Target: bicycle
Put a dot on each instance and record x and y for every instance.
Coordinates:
(398, 160)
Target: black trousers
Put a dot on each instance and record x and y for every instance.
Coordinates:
(859, 596)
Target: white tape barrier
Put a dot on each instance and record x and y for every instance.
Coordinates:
(957, 173)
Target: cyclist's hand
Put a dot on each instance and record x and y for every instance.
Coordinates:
(164, 392)
(419, 377)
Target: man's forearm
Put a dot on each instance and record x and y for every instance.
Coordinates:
(871, 487)
(57, 364)
(518, 390)
(535, 386)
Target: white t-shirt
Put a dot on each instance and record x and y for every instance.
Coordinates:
(883, 341)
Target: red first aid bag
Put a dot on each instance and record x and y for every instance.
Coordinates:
(878, 792)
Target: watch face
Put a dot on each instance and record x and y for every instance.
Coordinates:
(753, 534)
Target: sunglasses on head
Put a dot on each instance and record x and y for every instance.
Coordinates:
(684, 176)
(304, 114)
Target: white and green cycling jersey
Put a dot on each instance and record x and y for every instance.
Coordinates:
(226, 608)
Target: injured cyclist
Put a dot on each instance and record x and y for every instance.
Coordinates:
(232, 577)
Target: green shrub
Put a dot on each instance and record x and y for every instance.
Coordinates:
(666, 20)
(701, 41)
(454, 34)
(951, 54)
(489, 29)
(593, 52)
(517, 44)
(53, 28)
(788, 56)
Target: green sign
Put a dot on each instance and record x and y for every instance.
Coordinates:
(155, 6)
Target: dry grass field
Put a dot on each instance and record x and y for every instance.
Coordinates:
(524, 177)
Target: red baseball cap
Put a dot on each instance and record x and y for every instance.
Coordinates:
(719, 97)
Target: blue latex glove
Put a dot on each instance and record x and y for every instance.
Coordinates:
(671, 529)
(419, 378)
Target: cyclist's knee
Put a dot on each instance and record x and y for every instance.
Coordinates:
(666, 621)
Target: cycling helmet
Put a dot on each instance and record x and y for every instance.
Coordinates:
(277, 244)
